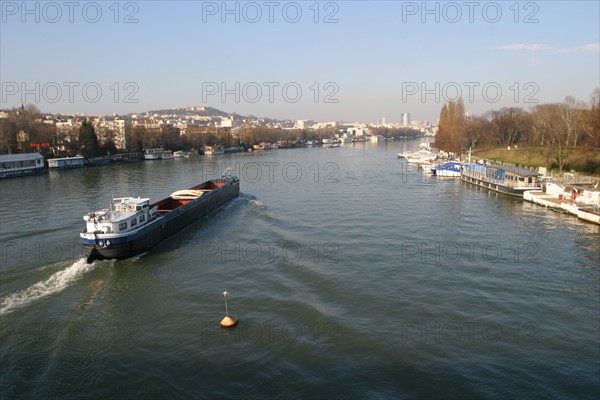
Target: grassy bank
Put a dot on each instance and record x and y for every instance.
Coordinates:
(581, 160)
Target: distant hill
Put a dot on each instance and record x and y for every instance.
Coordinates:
(203, 111)
(206, 112)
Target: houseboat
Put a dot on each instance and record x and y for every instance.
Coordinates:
(66, 162)
(21, 164)
(153, 154)
(132, 225)
(509, 180)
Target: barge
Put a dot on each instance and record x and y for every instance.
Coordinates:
(132, 226)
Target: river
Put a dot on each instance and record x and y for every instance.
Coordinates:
(353, 275)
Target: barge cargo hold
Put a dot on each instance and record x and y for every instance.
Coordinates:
(132, 226)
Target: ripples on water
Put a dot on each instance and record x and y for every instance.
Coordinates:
(374, 281)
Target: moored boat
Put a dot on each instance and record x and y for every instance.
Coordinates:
(449, 169)
(212, 150)
(153, 154)
(21, 164)
(66, 162)
(131, 225)
(509, 180)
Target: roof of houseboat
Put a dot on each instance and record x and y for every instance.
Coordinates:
(520, 171)
(515, 170)
(20, 157)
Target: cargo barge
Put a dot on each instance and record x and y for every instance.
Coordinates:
(132, 226)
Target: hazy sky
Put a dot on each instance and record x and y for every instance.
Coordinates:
(326, 61)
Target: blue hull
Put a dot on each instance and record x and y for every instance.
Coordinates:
(21, 172)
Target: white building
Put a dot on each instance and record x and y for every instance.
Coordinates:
(113, 127)
(405, 119)
(226, 122)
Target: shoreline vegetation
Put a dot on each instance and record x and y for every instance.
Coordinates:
(561, 137)
(582, 160)
(27, 129)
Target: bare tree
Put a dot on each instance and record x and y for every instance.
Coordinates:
(547, 129)
(452, 133)
(572, 118)
(591, 125)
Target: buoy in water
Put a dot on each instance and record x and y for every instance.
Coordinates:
(229, 320)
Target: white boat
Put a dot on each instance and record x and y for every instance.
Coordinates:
(449, 169)
(153, 154)
(20, 164)
(419, 157)
(167, 155)
(178, 154)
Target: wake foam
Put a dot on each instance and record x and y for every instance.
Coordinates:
(257, 204)
(54, 284)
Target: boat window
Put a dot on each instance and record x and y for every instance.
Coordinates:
(122, 225)
(142, 218)
(133, 222)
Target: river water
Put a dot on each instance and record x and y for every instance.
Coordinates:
(353, 275)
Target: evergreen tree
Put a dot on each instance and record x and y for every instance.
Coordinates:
(88, 141)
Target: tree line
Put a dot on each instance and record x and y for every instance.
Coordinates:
(24, 127)
(554, 130)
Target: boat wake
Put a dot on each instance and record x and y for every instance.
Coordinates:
(257, 204)
(54, 284)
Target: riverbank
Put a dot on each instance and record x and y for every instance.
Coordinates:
(583, 160)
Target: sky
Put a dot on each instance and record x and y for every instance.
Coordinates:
(322, 61)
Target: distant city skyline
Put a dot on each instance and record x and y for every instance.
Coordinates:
(323, 61)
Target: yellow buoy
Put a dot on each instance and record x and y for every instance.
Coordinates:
(229, 320)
